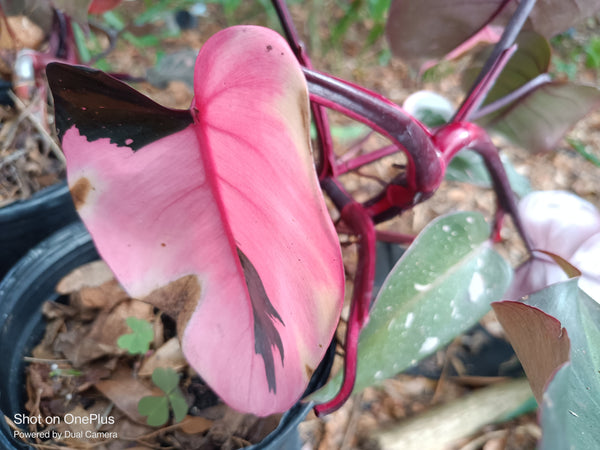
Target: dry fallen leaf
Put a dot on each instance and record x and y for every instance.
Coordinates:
(195, 424)
(168, 355)
(92, 274)
(125, 391)
(104, 296)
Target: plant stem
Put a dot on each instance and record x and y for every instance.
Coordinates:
(357, 219)
(453, 137)
(326, 165)
(362, 160)
(425, 168)
(484, 81)
(513, 96)
(480, 90)
(393, 237)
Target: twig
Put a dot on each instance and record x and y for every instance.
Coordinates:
(476, 444)
(445, 424)
(38, 126)
(44, 360)
(352, 421)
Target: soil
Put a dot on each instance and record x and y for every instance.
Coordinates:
(405, 396)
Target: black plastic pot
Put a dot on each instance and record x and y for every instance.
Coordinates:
(25, 223)
(31, 282)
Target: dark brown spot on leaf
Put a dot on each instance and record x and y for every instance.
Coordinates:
(309, 371)
(80, 191)
(178, 299)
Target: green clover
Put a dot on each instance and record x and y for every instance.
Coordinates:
(137, 342)
(156, 407)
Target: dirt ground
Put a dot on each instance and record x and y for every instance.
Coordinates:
(401, 400)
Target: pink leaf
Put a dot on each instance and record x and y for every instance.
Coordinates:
(566, 230)
(558, 221)
(215, 216)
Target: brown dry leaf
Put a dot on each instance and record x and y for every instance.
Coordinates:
(159, 331)
(125, 392)
(95, 372)
(54, 310)
(26, 33)
(38, 373)
(127, 430)
(106, 331)
(195, 424)
(92, 274)
(85, 343)
(78, 428)
(105, 296)
(168, 355)
(70, 345)
(45, 349)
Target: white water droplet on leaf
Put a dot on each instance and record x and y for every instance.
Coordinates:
(476, 287)
(430, 343)
(422, 287)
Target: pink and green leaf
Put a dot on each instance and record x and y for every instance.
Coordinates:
(564, 368)
(439, 288)
(214, 214)
(540, 342)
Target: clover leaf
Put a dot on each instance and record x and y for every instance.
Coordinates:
(137, 342)
(156, 407)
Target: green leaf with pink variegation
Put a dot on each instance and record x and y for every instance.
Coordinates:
(441, 286)
(214, 214)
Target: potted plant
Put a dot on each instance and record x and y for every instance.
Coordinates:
(32, 282)
(181, 208)
(33, 209)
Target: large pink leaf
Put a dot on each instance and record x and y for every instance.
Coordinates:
(215, 216)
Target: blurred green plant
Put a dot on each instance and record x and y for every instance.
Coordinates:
(574, 52)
